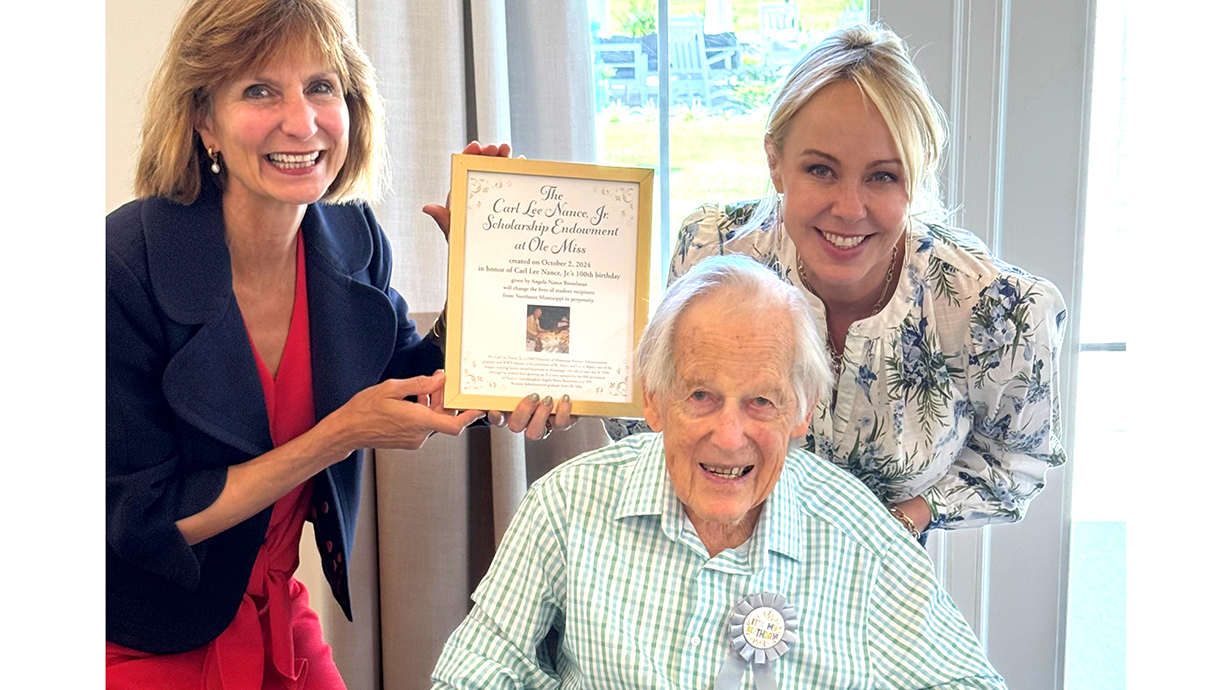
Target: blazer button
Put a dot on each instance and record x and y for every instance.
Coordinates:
(329, 546)
(324, 507)
(338, 557)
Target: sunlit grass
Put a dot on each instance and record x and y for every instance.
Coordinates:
(714, 158)
(815, 15)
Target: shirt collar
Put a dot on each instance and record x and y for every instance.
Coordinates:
(647, 490)
(781, 516)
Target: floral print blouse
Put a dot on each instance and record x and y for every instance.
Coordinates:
(950, 392)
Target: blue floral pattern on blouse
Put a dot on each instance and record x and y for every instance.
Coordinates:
(949, 393)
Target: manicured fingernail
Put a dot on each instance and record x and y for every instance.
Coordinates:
(534, 397)
(548, 401)
(564, 398)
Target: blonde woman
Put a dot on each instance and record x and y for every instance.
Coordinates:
(946, 403)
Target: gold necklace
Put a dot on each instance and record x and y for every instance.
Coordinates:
(836, 357)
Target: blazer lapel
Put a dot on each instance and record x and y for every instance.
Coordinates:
(211, 379)
(352, 324)
(212, 382)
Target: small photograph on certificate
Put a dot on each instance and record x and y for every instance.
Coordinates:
(552, 338)
(549, 281)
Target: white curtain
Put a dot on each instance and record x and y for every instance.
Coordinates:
(450, 71)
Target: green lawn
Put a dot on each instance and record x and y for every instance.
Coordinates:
(815, 15)
(715, 158)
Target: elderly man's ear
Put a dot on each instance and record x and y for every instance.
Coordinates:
(799, 430)
(650, 410)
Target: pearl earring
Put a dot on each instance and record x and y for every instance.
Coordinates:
(214, 166)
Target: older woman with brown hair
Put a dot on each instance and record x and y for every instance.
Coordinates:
(253, 345)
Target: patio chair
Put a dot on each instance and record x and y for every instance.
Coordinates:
(630, 63)
(780, 33)
(690, 68)
(778, 20)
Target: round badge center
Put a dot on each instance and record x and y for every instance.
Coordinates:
(763, 627)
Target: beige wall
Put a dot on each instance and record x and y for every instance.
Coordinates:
(137, 33)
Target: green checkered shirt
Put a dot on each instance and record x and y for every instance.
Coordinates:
(599, 584)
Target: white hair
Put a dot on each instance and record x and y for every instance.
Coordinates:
(756, 286)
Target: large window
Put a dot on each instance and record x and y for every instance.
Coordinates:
(698, 116)
(1095, 640)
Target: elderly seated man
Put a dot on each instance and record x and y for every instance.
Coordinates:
(711, 554)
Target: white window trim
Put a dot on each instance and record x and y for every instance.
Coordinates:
(1015, 80)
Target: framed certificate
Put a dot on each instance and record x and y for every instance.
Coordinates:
(549, 284)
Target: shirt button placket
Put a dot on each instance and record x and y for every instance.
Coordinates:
(695, 661)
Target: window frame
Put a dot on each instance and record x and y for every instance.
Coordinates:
(1015, 80)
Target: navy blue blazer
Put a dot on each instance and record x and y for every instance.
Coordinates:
(184, 402)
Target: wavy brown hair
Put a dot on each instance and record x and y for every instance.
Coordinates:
(217, 41)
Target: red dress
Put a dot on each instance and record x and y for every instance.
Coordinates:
(275, 641)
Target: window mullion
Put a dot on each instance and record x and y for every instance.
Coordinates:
(665, 77)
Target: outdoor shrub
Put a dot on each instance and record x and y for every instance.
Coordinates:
(753, 87)
(642, 19)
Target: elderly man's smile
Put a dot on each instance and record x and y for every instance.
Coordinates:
(726, 473)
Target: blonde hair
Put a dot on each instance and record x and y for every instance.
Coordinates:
(217, 41)
(875, 59)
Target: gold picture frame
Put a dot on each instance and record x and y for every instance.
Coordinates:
(539, 242)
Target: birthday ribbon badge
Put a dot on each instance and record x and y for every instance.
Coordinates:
(761, 628)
